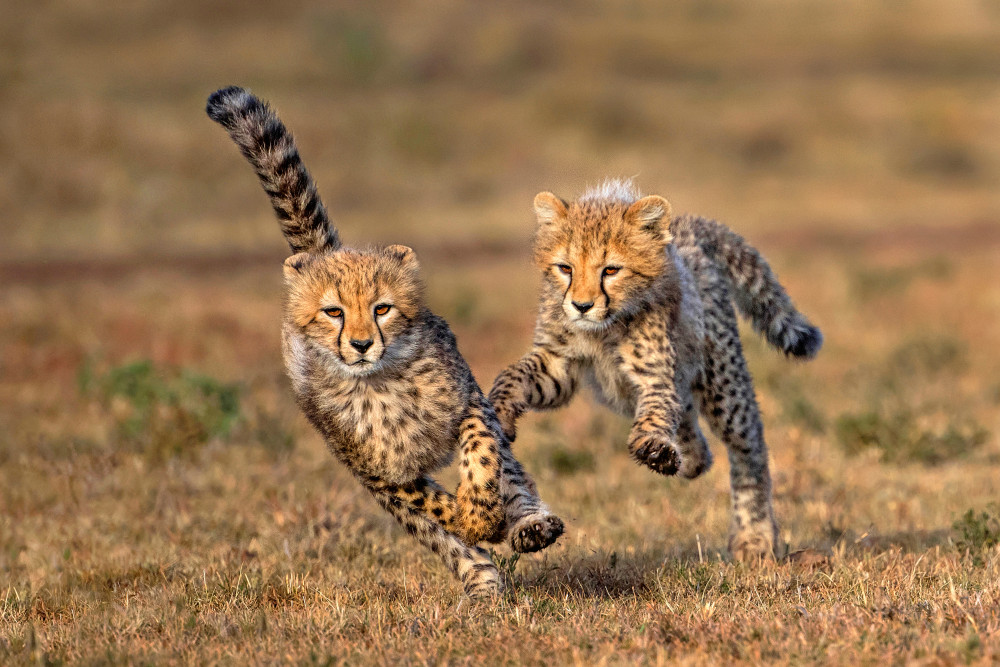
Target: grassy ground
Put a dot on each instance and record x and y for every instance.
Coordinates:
(162, 500)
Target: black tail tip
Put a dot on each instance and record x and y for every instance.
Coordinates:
(806, 344)
(224, 103)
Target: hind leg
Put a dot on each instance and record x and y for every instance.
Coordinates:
(696, 458)
(730, 407)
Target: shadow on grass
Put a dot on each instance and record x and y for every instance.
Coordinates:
(596, 575)
(609, 575)
(909, 541)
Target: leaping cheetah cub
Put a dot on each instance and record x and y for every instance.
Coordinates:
(640, 306)
(380, 376)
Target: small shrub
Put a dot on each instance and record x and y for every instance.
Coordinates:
(952, 161)
(900, 439)
(978, 531)
(163, 413)
(506, 564)
(911, 412)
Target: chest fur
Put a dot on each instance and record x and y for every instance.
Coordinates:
(608, 363)
(601, 366)
(395, 428)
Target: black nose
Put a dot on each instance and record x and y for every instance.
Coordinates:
(583, 307)
(361, 345)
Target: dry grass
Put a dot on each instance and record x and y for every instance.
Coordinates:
(144, 518)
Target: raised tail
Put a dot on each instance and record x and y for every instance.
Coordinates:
(268, 145)
(757, 292)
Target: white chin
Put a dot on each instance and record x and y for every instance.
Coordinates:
(362, 369)
(589, 325)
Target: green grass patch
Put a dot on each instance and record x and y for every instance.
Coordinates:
(162, 412)
(977, 532)
(901, 439)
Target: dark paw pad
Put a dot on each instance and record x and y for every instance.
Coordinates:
(657, 455)
(536, 532)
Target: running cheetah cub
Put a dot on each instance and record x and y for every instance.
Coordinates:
(381, 377)
(640, 306)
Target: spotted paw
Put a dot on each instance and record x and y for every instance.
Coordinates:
(535, 532)
(656, 453)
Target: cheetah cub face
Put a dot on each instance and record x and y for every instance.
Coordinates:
(601, 257)
(356, 306)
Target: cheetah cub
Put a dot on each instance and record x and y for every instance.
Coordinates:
(381, 377)
(640, 306)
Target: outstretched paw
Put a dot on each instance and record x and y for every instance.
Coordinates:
(534, 532)
(656, 453)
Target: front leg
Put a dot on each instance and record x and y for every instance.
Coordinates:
(478, 500)
(541, 379)
(653, 438)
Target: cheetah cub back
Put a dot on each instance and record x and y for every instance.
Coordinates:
(380, 376)
(639, 305)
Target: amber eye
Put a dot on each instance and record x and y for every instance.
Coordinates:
(565, 268)
(382, 309)
(611, 270)
(333, 312)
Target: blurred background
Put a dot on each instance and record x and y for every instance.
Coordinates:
(431, 123)
(856, 143)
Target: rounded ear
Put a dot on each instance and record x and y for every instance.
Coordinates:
(549, 208)
(293, 265)
(651, 214)
(405, 255)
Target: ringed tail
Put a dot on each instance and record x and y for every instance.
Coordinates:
(757, 292)
(269, 147)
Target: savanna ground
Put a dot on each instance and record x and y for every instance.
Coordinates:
(162, 500)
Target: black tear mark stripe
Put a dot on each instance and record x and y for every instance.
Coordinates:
(607, 299)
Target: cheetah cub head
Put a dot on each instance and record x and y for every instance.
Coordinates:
(600, 256)
(357, 307)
